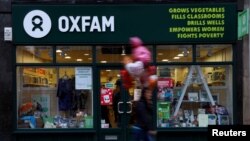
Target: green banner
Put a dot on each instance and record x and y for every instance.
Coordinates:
(101, 24)
(243, 23)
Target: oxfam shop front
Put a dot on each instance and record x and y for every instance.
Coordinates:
(68, 61)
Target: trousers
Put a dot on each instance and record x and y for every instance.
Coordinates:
(138, 134)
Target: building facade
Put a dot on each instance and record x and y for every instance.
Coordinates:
(246, 73)
(61, 67)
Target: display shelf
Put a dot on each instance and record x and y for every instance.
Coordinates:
(37, 77)
(190, 80)
(35, 85)
(188, 101)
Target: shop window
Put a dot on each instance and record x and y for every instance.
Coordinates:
(174, 53)
(214, 53)
(114, 53)
(54, 97)
(34, 54)
(74, 54)
(186, 94)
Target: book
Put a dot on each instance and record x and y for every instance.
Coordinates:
(163, 110)
(203, 96)
(201, 111)
(223, 120)
(212, 118)
(203, 120)
(193, 96)
(189, 115)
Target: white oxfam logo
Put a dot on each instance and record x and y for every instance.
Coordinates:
(37, 23)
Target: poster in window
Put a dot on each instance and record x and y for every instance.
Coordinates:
(106, 96)
(165, 91)
(44, 101)
(83, 78)
(163, 110)
(165, 83)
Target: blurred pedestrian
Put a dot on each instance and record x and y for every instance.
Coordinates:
(138, 67)
(143, 129)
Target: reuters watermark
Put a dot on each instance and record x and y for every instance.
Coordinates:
(239, 131)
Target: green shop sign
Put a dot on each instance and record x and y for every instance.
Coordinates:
(243, 23)
(105, 24)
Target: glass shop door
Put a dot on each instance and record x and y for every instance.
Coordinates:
(115, 104)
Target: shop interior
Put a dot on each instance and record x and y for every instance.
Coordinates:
(38, 88)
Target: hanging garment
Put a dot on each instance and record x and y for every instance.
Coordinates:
(64, 93)
(79, 99)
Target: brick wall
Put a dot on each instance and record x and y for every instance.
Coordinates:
(246, 75)
(6, 92)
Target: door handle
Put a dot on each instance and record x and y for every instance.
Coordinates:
(118, 108)
(130, 103)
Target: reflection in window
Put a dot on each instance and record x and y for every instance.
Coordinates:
(74, 54)
(114, 53)
(174, 53)
(47, 97)
(195, 105)
(214, 53)
(34, 54)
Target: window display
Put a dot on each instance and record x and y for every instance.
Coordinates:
(48, 97)
(187, 99)
(55, 96)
